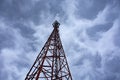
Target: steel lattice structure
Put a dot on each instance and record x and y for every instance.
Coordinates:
(51, 63)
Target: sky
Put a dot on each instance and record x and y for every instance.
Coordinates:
(89, 32)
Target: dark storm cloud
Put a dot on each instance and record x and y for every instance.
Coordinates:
(91, 27)
(18, 13)
(97, 66)
(29, 9)
(6, 36)
(6, 39)
(22, 62)
(90, 8)
(12, 9)
(95, 31)
(25, 30)
(104, 32)
(94, 59)
(14, 14)
(111, 66)
(89, 64)
(117, 37)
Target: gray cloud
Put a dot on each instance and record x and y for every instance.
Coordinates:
(95, 32)
(90, 8)
(92, 47)
(87, 9)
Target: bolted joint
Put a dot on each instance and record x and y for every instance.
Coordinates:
(56, 24)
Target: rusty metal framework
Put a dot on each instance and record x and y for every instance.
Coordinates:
(51, 63)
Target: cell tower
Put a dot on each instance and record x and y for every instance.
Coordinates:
(51, 63)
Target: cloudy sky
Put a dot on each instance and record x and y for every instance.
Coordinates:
(89, 30)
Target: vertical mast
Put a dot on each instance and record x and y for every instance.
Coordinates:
(51, 62)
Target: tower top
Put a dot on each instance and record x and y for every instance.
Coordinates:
(56, 24)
